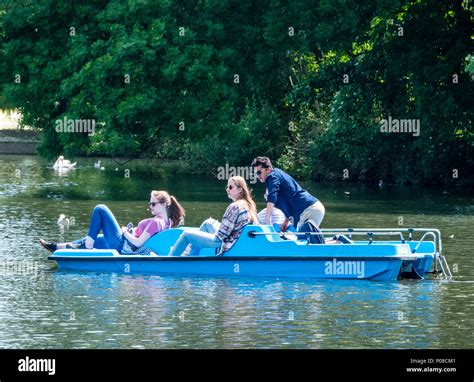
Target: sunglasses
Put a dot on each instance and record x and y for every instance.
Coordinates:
(259, 172)
(229, 187)
(153, 204)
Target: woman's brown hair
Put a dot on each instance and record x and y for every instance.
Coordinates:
(246, 196)
(175, 211)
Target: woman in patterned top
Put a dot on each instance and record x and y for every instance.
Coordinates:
(238, 214)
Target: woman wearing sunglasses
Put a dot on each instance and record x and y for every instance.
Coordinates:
(166, 211)
(239, 213)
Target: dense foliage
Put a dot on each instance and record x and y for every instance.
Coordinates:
(306, 83)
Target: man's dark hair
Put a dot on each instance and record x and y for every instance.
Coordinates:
(265, 162)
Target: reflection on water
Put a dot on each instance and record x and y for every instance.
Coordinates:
(84, 310)
(41, 307)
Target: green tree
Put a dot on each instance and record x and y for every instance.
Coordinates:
(405, 61)
(304, 82)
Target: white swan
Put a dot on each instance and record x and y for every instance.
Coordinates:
(98, 165)
(63, 164)
(63, 221)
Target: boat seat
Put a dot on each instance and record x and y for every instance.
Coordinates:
(310, 226)
(271, 229)
(343, 239)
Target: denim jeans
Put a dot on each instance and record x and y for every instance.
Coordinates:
(204, 237)
(103, 219)
(99, 243)
(210, 225)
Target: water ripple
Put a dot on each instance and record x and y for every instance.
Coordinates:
(42, 307)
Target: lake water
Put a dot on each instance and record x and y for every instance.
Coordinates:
(43, 307)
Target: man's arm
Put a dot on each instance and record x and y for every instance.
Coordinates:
(269, 214)
(285, 224)
(273, 187)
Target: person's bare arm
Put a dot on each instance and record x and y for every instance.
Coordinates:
(269, 214)
(136, 241)
(284, 225)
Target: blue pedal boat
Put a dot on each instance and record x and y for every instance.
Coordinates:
(261, 251)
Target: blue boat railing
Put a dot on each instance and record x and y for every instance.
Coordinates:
(441, 266)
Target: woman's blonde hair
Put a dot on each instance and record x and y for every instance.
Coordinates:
(246, 197)
(175, 211)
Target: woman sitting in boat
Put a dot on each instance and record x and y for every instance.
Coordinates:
(223, 236)
(167, 213)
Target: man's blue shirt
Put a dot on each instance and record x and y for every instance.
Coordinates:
(287, 195)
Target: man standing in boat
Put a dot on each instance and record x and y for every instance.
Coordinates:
(287, 195)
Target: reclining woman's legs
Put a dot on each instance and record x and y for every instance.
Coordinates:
(103, 219)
